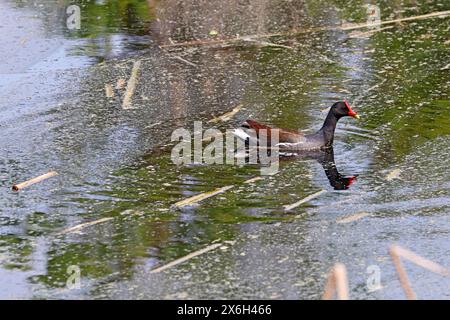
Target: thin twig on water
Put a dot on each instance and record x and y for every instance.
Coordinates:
(353, 218)
(231, 40)
(253, 180)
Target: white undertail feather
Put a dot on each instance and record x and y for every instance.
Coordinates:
(247, 134)
(241, 134)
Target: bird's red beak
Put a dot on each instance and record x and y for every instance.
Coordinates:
(352, 180)
(351, 113)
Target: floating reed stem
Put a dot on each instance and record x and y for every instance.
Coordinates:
(109, 91)
(183, 60)
(226, 116)
(394, 174)
(420, 261)
(420, 17)
(20, 186)
(359, 34)
(131, 85)
(120, 83)
(294, 32)
(353, 218)
(200, 197)
(308, 198)
(337, 283)
(396, 252)
(253, 180)
(186, 258)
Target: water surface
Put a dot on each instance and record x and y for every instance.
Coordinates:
(54, 114)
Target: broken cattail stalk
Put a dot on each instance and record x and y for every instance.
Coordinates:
(131, 85)
(265, 43)
(358, 34)
(20, 186)
(186, 258)
(397, 252)
(308, 198)
(183, 60)
(209, 138)
(337, 283)
(394, 174)
(109, 91)
(253, 179)
(353, 218)
(420, 17)
(120, 83)
(422, 262)
(294, 32)
(200, 197)
(402, 275)
(83, 225)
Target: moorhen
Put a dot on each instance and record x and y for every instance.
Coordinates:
(296, 141)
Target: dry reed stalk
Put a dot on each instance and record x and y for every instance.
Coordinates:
(208, 139)
(368, 33)
(109, 91)
(20, 186)
(131, 85)
(337, 283)
(83, 225)
(394, 174)
(422, 262)
(200, 197)
(397, 252)
(186, 258)
(183, 60)
(308, 198)
(402, 275)
(265, 43)
(420, 17)
(120, 83)
(226, 116)
(253, 179)
(353, 218)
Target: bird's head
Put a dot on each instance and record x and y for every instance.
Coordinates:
(343, 109)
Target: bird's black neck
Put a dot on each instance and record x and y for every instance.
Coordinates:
(328, 128)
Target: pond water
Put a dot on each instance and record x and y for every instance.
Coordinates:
(116, 163)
